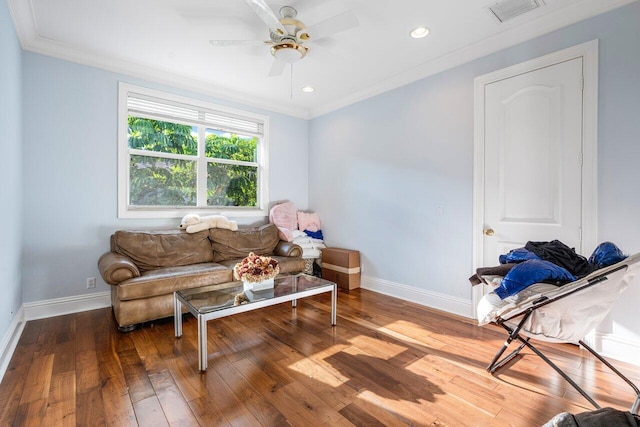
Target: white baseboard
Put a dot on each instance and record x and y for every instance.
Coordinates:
(610, 346)
(60, 306)
(10, 341)
(455, 305)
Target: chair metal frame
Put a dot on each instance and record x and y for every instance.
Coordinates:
(515, 335)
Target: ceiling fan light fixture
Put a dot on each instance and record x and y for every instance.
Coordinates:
(288, 51)
(419, 32)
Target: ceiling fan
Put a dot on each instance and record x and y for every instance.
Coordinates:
(288, 35)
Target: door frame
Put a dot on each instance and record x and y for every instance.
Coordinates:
(589, 53)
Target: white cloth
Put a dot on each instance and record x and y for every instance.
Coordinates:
(310, 247)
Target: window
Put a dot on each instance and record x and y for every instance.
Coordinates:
(179, 155)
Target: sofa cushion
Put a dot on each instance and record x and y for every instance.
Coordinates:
(163, 248)
(169, 279)
(228, 245)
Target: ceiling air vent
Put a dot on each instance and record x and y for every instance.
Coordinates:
(509, 9)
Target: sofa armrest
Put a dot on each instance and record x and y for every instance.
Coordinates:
(115, 268)
(287, 249)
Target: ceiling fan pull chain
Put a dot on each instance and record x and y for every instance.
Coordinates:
(291, 83)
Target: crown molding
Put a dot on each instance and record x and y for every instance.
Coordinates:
(57, 50)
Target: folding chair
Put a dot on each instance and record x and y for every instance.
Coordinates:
(565, 315)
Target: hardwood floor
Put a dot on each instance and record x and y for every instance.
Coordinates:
(387, 362)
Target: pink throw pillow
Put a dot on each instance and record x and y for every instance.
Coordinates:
(308, 221)
(284, 215)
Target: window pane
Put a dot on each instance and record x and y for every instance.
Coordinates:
(162, 182)
(223, 145)
(164, 137)
(232, 185)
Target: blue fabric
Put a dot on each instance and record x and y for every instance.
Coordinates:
(529, 272)
(314, 234)
(606, 254)
(517, 255)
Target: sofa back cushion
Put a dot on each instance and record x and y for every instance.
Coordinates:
(163, 248)
(229, 244)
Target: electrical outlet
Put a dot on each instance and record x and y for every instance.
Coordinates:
(91, 282)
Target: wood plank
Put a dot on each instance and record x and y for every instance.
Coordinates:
(207, 412)
(65, 357)
(359, 416)
(87, 371)
(149, 412)
(38, 379)
(85, 334)
(61, 405)
(90, 409)
(173, 403)
(11, 390)
(135, 376)
(186, 378)
(115, 395)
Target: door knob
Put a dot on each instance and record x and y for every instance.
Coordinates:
(488, 231)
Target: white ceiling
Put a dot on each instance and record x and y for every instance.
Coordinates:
(168, 41)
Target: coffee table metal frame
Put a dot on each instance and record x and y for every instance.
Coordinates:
(203, 317)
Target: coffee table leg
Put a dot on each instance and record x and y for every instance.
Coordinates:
(177, 315)
(202, 343)
(334, 303)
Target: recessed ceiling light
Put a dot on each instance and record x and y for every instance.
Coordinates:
(419, 32)
(308, 89)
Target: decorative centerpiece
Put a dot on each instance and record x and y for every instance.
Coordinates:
(256, 272)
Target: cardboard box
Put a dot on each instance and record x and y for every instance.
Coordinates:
(341, 266)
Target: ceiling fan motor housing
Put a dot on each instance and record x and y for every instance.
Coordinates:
(288, 47)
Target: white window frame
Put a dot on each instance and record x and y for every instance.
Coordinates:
(127, 211)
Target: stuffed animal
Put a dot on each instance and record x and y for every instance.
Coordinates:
(193, 223)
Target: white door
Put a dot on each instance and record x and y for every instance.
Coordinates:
(533, 159)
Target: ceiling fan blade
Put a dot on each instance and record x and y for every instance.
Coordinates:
(338, 23)
(227, 43)
(266, 14)
(277, 68)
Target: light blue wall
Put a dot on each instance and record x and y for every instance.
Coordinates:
(70, 172)
(10, 171)
(381, 169)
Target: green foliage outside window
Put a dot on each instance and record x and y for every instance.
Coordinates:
(231, 185)
(163, 137)
(156, 181)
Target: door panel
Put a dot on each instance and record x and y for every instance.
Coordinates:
(533, 148)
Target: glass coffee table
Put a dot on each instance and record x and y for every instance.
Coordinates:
(216, 301)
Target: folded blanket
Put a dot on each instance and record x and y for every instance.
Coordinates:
(311, 253)
(298, 233)
(314, 234)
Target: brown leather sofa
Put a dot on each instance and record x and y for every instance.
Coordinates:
(146, 267)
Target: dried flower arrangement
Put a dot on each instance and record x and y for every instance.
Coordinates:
(255, 268)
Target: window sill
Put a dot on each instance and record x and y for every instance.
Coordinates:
(179, 213)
